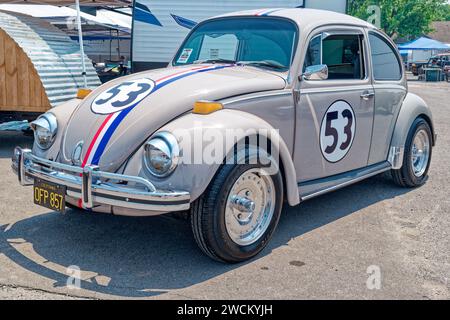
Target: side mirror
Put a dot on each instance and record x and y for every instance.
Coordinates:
(317, 72)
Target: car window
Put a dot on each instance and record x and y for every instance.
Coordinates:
(224, 47)
(314, 52)
(264, 41)
(342, 54)
(386, 65)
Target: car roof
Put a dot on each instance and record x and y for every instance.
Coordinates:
(305, 18)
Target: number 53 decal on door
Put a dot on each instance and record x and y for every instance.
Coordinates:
(337, 131)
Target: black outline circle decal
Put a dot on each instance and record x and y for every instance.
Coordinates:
(337, 131)
(122, 96)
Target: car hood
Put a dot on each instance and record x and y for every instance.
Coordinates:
(105, 134)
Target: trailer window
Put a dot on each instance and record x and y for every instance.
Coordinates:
(263, 41)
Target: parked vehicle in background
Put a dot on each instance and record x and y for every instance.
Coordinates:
(298, 103)
(440, 61)
(160, 25)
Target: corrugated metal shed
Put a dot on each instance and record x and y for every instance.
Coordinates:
(54, 55)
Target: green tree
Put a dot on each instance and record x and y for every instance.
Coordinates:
(446, 13)
(402, 18)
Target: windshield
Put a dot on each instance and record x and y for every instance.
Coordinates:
(260, 41)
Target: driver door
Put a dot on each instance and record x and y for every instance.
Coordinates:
(334, 116)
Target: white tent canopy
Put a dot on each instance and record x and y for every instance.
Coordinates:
(66, 15)
(120, 3)
(95, 3)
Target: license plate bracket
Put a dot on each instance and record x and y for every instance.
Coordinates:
(49, 195)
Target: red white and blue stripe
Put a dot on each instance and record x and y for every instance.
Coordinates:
(113, 120)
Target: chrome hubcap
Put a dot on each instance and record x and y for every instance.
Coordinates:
(250, 207)
(420, 154)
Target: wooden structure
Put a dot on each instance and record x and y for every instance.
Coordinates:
(20, 86)
(40, 66)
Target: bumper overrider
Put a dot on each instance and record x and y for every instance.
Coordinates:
(95, 187)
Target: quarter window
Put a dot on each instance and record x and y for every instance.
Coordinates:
(386, 65)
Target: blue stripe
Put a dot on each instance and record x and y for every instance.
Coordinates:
(161, 85)
(272, 11)
(108, 134)
(112, 128)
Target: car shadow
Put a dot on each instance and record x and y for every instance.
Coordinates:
(143, 257)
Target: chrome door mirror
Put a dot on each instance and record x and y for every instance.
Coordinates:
(317, 72)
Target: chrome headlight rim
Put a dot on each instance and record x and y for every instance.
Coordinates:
(48, 122)
(172, 150)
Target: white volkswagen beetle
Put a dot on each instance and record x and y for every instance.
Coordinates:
(314, 101)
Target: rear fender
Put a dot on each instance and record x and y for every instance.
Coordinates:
(413, 107)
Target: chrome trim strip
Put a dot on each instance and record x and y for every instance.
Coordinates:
(89, 184)
(258, 96)
(337, 88)
(384, 167)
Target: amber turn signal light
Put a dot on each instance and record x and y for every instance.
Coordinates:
(206, 107)
(83, 93)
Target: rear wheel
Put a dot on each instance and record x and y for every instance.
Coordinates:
(417, 156)
(236, 216)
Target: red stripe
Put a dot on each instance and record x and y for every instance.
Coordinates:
(193, 69)
(260, 12)
(86, 157)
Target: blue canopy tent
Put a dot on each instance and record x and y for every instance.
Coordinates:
(424, 43)
(421, 49)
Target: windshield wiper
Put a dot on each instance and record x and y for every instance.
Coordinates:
(218, 60)
(265, 63)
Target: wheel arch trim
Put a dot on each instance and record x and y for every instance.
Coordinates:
(413, 107)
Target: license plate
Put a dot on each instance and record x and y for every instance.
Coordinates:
(49, 195)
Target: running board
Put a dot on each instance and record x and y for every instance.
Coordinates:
(314, 188)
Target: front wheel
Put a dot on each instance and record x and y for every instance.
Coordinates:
(237, 215)
(417, 156)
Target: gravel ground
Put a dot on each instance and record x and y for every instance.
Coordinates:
(326, 248)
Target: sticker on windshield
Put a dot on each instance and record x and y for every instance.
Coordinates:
(214, 54)
(337, 131)
(122, 96)
(185, 55)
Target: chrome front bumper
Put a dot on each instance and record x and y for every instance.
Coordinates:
(95, 187)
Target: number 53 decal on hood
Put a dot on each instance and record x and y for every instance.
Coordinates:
(122, 96)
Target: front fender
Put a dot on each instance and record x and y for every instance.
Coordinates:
(195, 178)
(413, 107)
(62, 112)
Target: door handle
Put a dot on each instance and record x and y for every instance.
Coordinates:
(367, 95)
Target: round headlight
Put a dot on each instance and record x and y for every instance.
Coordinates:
(161, 154)
(45, 128)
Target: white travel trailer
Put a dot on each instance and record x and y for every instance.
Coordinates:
(159, 26)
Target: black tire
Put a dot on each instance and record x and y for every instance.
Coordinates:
(208, 217)
(405, 177)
